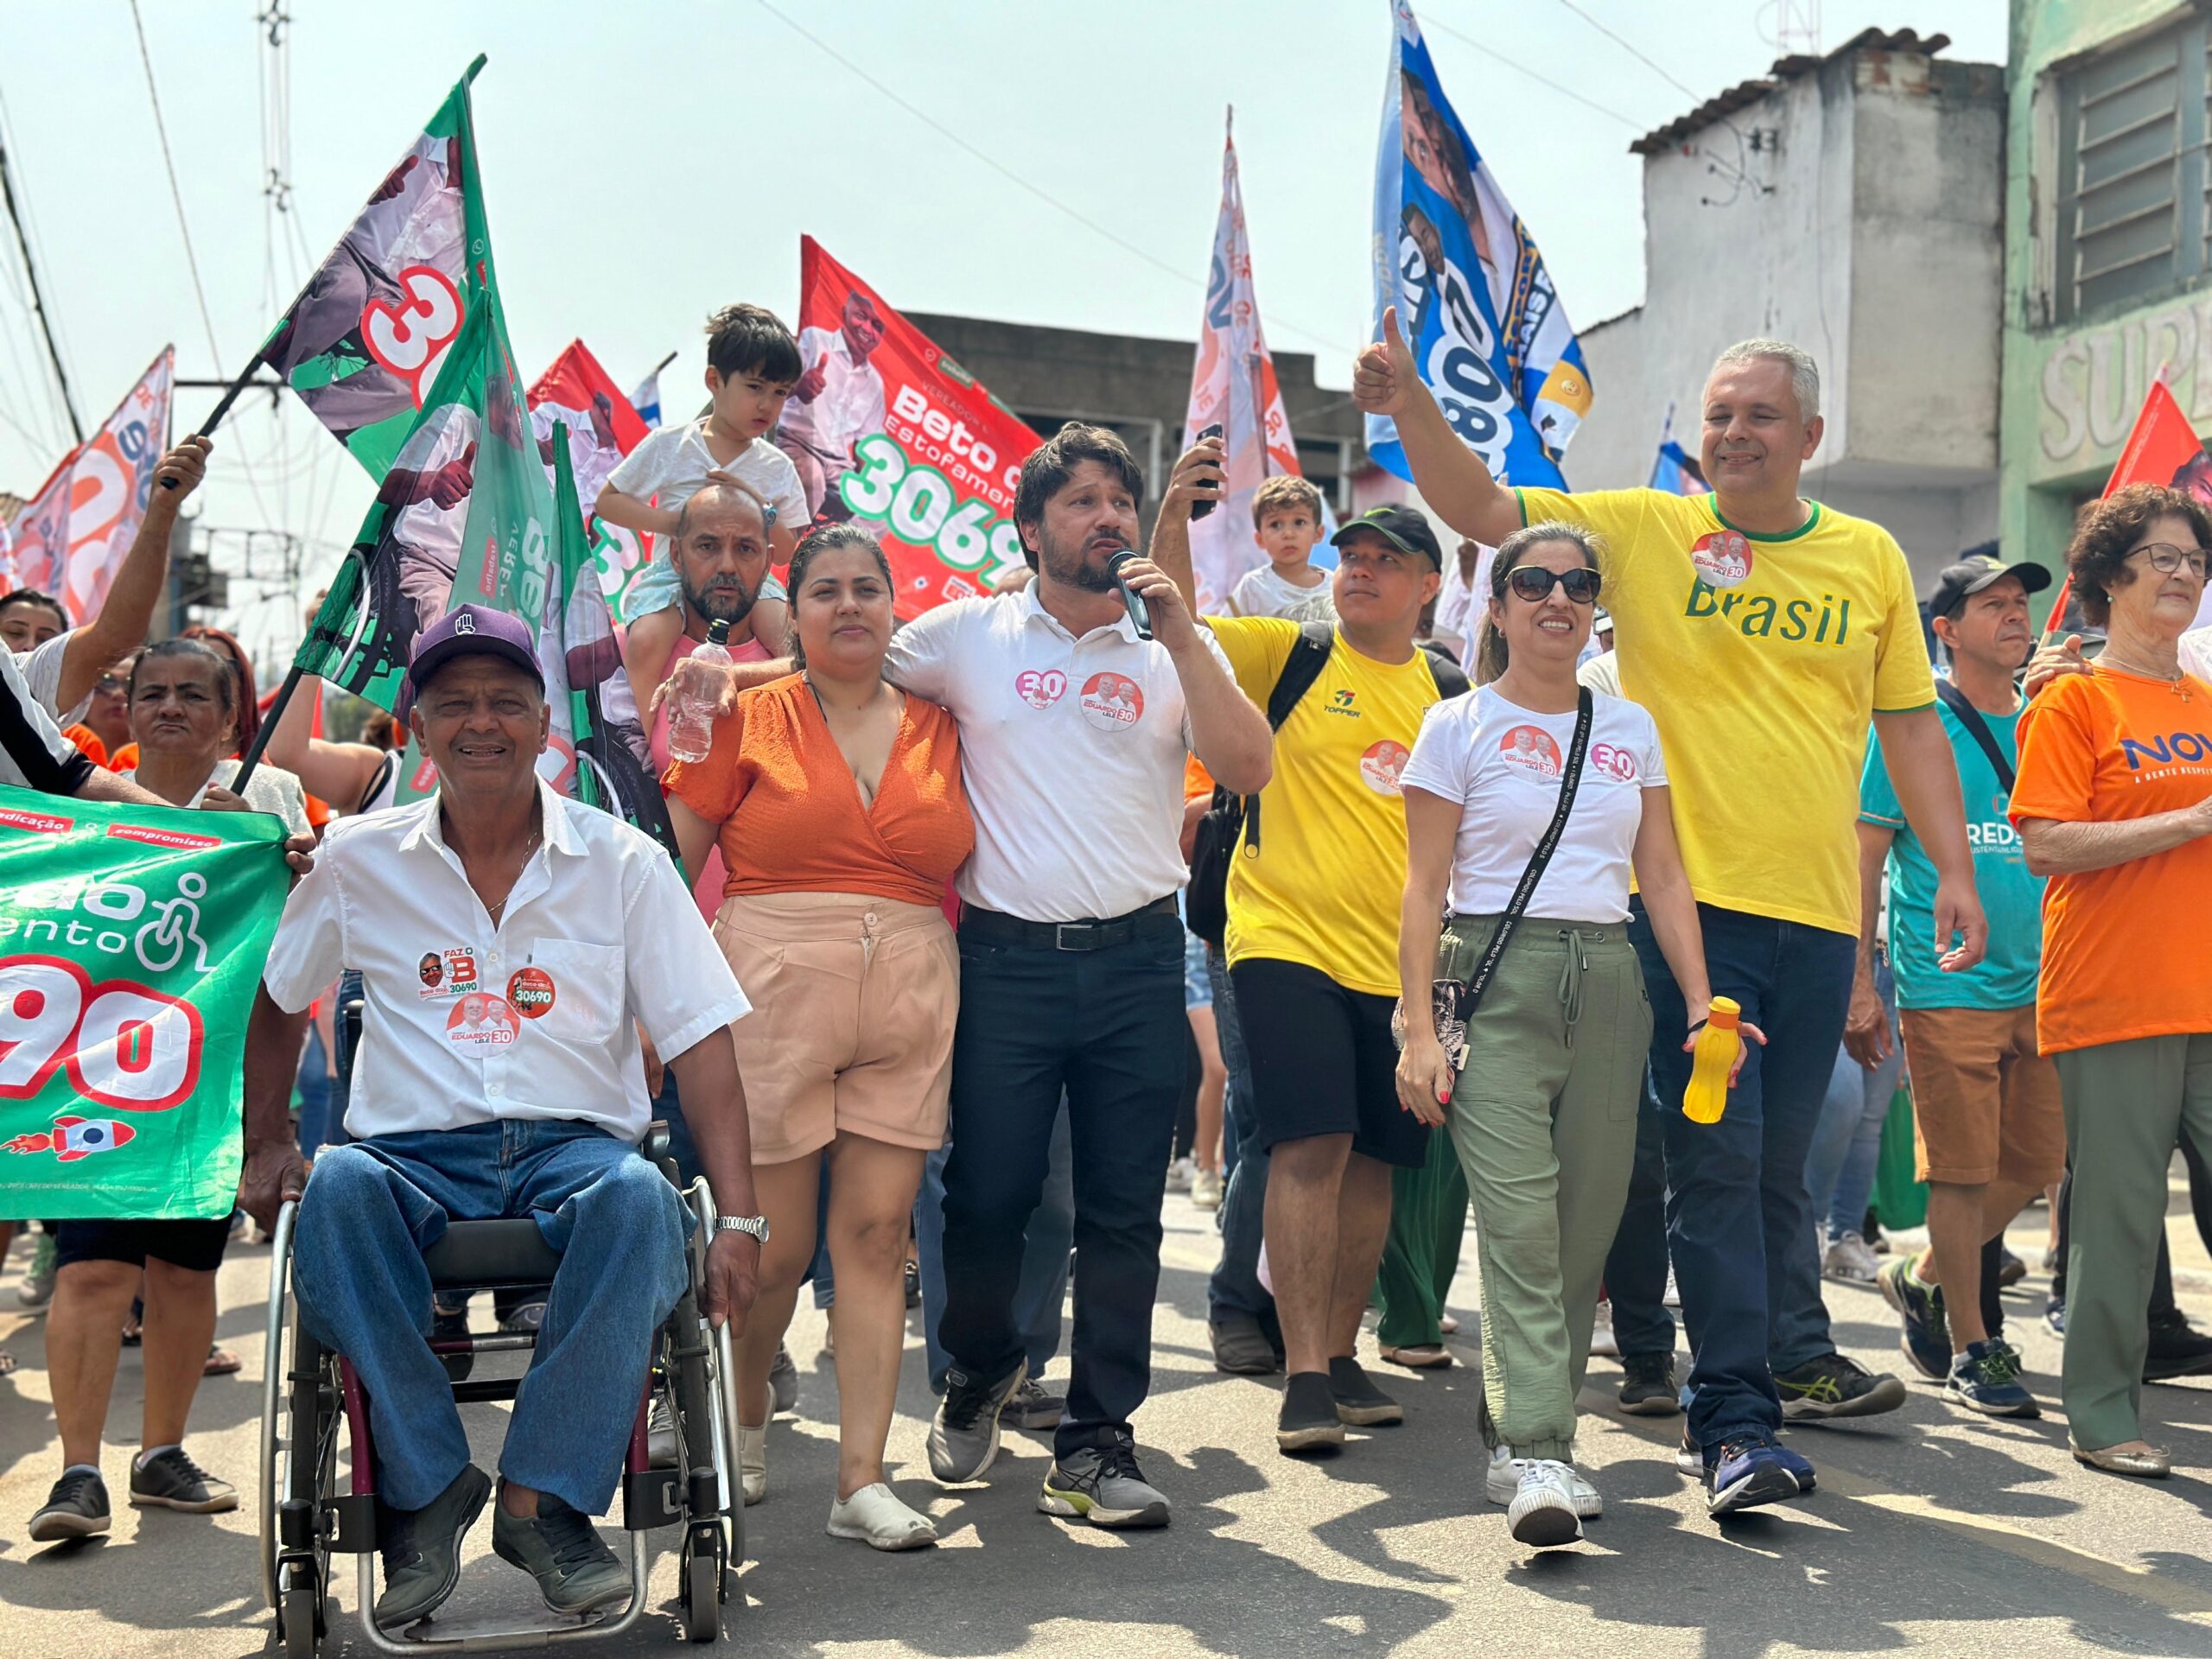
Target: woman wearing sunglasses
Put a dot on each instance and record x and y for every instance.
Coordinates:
(2114, 803)
(1544, 1114)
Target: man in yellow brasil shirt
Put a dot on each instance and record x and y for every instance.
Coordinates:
(1314, 889)
(1763, 632)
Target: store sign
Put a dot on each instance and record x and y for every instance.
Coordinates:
(2093, 380)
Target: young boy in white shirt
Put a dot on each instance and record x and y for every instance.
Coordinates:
(752, 362)
(1286, 519)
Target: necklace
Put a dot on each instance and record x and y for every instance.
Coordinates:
(2177, 681)
(499, 909)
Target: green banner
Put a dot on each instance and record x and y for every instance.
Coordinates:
(131, 941)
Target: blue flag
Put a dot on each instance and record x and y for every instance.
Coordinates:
(1485, 324)
(1675, 470)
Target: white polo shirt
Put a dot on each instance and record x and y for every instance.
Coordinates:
(537, 1017)
(1072, 751)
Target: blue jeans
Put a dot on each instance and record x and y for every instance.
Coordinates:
(1847, 1143)
(374, 1207)
(341, 1090)
(1635, 1269)
(1739, 1224)
(1041, 1291)
(317, 1090)
(1235, 1286)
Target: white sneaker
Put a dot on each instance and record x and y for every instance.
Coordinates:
(1602, 1342)
(876, 1517)
(1502, 1483)
(1180, 1174)
(1849, 1259)
(1542, 1510)
(1205, 1188)
(752, 1461)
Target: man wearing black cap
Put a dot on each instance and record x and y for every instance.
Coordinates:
(508, 1084)
(1987, 1126)
(1312, 935)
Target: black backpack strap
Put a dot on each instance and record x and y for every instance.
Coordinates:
(1451, 679)
(1977, 729)
(1309, 655)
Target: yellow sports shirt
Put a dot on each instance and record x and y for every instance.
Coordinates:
(1325, 888)
(1763, 659)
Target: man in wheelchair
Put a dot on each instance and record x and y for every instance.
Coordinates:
(508, 1083)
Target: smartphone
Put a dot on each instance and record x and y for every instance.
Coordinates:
(1206, 505)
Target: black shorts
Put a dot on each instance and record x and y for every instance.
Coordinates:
(195, 1246)
(1322, 1062)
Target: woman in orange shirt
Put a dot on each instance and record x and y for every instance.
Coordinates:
(2114, 803)
(837, 803)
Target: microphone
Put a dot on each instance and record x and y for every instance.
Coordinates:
(1139, 612)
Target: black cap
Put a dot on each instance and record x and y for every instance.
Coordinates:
(1973, 573)
(472, 630)
(1403, 527)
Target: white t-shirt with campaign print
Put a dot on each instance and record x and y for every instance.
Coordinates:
(672, 464)
(1502, 764)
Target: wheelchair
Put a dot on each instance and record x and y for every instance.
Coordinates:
(308, 1394)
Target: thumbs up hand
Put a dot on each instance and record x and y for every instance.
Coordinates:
(1383, 375)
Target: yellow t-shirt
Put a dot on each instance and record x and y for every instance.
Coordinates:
(1325, 888)
(1763, 659)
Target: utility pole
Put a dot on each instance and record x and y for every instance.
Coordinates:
(38, 299)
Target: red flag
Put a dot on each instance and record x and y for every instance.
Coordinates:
(603, 427)
(2164, 448)
(888, 432)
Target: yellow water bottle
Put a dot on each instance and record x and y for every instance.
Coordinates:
(1712, 1060)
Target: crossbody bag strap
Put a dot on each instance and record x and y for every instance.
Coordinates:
(1977, 729)
(1518, 905)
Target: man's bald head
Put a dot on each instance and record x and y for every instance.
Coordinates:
(721, 552)
(721, 500)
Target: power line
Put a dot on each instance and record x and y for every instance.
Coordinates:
(1629, 47)
(1434, 22)
(1011, 177)
(38, 299)
(176, 193)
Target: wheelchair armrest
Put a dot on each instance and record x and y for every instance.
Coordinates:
(476, 1253)
(655, 1145)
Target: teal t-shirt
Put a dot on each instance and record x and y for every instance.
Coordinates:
(2011, 897)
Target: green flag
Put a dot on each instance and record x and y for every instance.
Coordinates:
(131, 941)
(363, 343)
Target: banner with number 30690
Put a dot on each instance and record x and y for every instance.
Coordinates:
(132, 942)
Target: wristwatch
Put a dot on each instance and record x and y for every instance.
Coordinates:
(756, 1225)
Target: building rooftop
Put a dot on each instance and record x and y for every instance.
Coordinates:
(1745, 94)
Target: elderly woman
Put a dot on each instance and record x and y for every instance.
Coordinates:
(1544, 1114)
(837, 803)
(184, 713)
(2113, 803)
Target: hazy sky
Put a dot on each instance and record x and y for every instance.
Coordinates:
(647, 161)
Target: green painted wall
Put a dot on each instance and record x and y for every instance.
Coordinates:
(2070, 393)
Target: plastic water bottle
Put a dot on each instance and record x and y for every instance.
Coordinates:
(1712, 1060)
(691, 720)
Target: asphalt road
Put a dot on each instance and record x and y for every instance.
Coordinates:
(1930, 1529)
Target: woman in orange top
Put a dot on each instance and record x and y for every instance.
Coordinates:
(2114, 803)
(837, 803)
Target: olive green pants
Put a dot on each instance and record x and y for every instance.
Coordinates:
(1544, 1119)
(1428, 1220)
(2126, 1105)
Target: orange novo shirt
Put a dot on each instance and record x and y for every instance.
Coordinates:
(788, 815)
(2126, 951)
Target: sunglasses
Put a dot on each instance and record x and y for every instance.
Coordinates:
(1534, 583)
(2166, 558)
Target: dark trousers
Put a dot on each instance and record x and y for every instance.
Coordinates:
(1108, 1027)
(1235, 1286)
(1636, 1271)
(1740, 1220)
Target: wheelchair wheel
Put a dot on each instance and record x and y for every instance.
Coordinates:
(300, 1613)
(299, 1461)
(702, 1574)
(273, 1403)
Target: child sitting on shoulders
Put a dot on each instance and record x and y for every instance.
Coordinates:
(1287, 518)
(752, 362)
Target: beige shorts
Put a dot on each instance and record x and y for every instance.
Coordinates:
(1984, 1101)
(854, 1001)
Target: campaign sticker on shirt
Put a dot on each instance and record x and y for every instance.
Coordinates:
(1723, 558)
(431, 970)
(1112, 703)
(448, 973)
(1040, 689)
(1533, 750)
(482, 1019)
(1383, 764)
(1614, 761)
(531, 992)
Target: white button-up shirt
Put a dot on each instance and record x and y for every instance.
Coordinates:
(536, 1017)
(1072, 751)
(849, 407)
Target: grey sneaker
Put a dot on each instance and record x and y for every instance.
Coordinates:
(37, 1288)
(170, 1480)
(422, 1550)
(1102, 1486)
(660, 1433)
(783, 1381)
(964, 1434)
(76, 1508)
(1034, 1407)
(576, 1573)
